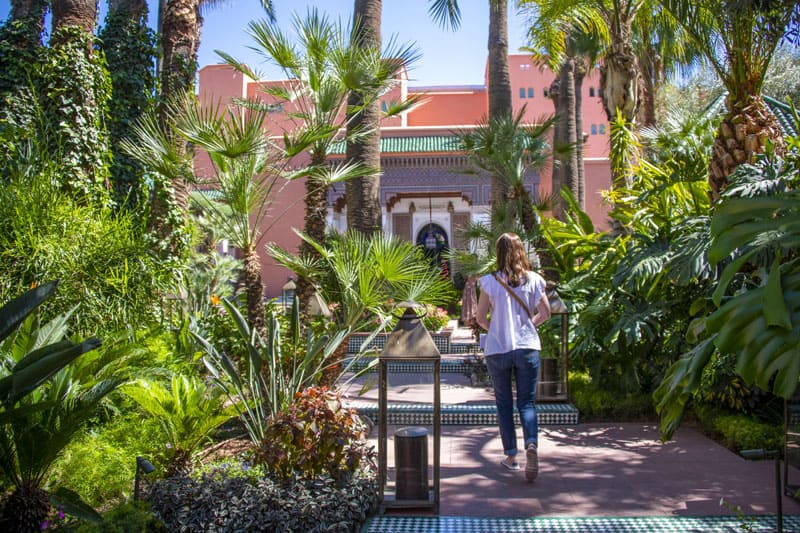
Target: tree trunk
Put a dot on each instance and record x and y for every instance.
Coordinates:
(648, 65)
(80, 13)
(180, 38)
(742, 135)
(129, 47)
(363, 193)
(28, 12)
(570, 132)
(620, 76)
(559, 168)
(499, 81)
(316, 202)
(580, 74)
(251, 274)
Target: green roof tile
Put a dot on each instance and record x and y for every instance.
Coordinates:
(420, 144)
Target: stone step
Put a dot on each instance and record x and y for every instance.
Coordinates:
(461, 414)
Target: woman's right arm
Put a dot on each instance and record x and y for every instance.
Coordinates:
(482, 314)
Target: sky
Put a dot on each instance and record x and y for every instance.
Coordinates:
(448, 57)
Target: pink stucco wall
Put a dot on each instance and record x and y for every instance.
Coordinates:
(441, 111)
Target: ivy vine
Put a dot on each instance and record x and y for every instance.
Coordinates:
(129, 47)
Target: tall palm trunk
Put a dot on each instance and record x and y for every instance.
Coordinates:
(565, 167)
(82, 136)
(580, 74)
(363, 194)
(742, 135)
(180, 39)
(649, 65)
(31, 13)
(129, 47)
(499, 81)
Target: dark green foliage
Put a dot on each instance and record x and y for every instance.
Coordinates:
(739, 431)
(596, 403)
(102, 258)
(131, 517)
(225, 503)
(129, 47)
(315, 436)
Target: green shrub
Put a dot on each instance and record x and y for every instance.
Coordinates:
(131, 517)
(222, 502)
(101, 464)
(315, 436)
(739, 431)
(597, 404)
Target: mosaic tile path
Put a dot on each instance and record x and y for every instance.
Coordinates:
(642, 524)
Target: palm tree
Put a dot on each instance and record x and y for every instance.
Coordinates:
(179, 32)
(246, 169)
(325, 66)
(505, 148)
(362, 194)
(129, 47)
(738, 39)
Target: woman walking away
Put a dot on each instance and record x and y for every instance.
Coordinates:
(516, 298)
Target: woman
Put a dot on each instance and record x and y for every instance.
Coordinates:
(516, 298)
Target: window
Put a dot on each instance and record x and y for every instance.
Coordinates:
(530, 92)
(384, 107)
(522, 92)
(602, 129)
(594, 129)
(591, 91)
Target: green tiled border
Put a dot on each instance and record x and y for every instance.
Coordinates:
(548, 414)
(637, 524)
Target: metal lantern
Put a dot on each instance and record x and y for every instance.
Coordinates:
(287, 292)
(553, 380)
(409, 342)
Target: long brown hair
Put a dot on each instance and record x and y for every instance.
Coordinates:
(512, 259)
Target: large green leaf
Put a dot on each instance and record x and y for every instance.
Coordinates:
(14, 312)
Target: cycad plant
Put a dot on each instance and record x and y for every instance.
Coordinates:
(42, 405)
(188, 409)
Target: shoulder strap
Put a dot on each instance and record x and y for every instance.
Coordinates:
(513, 294)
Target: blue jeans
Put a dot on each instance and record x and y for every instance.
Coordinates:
(525, 365)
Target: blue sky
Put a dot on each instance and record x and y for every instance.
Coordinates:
(448, 57)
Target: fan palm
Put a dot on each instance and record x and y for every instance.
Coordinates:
(324, 65)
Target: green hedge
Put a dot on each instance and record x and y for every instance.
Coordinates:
(738, 431)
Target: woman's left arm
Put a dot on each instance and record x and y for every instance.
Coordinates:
(542, 313)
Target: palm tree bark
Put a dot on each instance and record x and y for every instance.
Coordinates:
(499, 80)
(180, 39)
(620, 75)
(316, 202)
(251, 275)
(29, 12)
(742, 134)
(363, 194)
(580, 74)
(565, 165)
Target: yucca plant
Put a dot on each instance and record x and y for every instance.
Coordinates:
(188, 411)
(41, 406)
(263, 381)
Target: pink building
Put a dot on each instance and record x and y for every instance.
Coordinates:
(426, 184)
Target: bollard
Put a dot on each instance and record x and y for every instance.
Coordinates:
(411, 461)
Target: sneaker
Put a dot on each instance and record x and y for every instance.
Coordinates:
(510, 464)
(532, 462)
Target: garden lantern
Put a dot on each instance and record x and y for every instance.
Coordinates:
(554, 366)
(409, 342)
(142, 466)
(287, 293)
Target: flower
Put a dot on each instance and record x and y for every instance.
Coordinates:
(214, 299)
(44, 525)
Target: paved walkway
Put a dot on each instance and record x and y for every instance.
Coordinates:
(593, 478)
